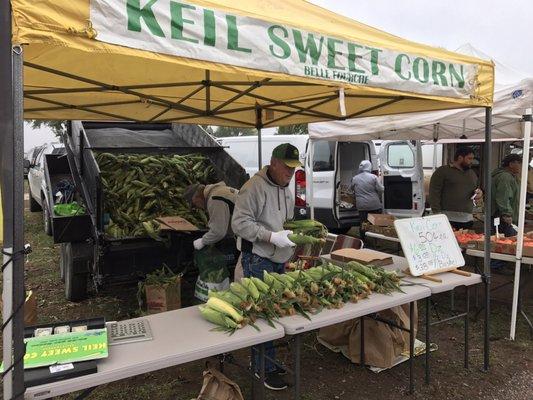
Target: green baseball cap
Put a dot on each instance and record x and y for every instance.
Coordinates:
(289, 154)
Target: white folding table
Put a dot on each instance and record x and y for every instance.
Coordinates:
(450, 281)
(297, 324)
(380, 236)
(179, 337)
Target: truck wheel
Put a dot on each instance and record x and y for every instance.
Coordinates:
(75, 270)
(34, 206)
(47, 219)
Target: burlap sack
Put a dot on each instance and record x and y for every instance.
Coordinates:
(218, 387)
(383, 344)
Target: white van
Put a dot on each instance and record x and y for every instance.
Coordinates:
(334, 165)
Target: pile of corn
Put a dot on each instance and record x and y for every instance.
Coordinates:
(303, 292)
(138, 188)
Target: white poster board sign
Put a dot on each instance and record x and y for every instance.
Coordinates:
(429, 244)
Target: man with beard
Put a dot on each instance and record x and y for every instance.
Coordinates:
(453, 189)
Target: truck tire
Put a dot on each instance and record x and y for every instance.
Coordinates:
(34, 206)
(75, 263)
(47, 219)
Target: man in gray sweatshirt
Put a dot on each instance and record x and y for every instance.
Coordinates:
(219, 201)
(263, 205)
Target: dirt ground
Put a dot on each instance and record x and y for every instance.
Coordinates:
(325, 375)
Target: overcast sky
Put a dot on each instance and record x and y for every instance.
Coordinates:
(502, 29)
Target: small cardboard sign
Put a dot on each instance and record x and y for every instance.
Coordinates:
(429, 244)
(176, 224)
(363, 256)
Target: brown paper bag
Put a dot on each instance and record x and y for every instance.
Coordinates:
(239, 273)
(383, 343)
(30, 308)
(218, 387)
(161, 298)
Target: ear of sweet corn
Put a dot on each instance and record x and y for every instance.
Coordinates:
(260, 285)
(250, 287)
(225, 308)
(239, 290)
(227, 296)
(218, 318)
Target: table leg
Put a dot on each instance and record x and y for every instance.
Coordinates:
(428, 317)
(85, 393)
(452, 299)
(296, 369)
(467, 312)
(411, 346)
(362, 350)
(252, 372)
(262, 371)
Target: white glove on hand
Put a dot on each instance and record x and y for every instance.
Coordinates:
(280, 239)
(198, 244)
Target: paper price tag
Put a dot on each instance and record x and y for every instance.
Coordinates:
(497, 221)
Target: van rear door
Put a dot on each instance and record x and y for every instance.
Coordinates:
(403, 176)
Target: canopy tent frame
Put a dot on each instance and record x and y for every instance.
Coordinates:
(306, 105)
(204, 85)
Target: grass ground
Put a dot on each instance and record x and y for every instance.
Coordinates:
(326, 375)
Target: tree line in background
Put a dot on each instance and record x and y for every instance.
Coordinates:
(59, 127)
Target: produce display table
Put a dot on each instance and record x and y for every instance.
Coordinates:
(390, 239)
(509, 258)
(499, 256)
(450, 281)
(179, 337)
(382, 237)
(297, 324)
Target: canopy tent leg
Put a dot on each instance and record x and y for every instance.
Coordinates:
(488, 214)
(309, 166)
(521, 219)
(11, 123)
(259, 126)
(435, 141)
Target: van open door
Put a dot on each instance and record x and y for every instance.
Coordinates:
(403, 178)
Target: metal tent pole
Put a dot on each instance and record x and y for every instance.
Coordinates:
(12, 180)
(309, 165)
(259, 126)
(521, 219)
(488, 225)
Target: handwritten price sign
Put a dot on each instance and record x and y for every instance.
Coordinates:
(429, 244)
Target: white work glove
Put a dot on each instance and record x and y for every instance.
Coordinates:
(280, 239)
(198, 244)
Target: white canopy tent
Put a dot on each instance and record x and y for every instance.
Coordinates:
(511, 120)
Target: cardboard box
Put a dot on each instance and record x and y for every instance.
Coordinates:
(178, 224)
(161, 298)
(381, 219)
(363, 256)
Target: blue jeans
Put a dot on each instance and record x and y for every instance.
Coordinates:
(253, 265)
